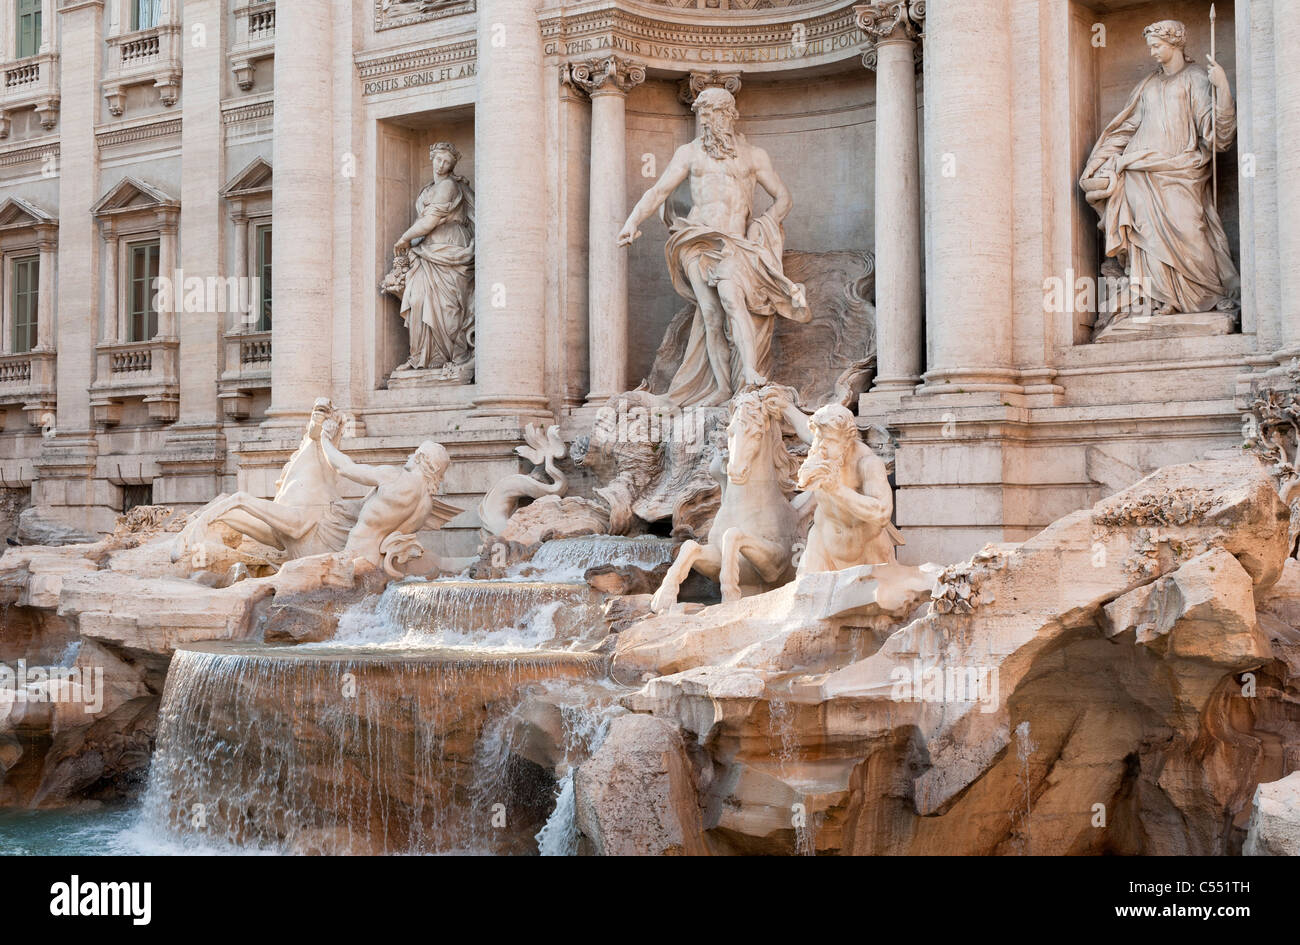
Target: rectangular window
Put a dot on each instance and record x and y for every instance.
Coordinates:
(26, 280)
(264, 278)
(29, 28)
(142, 313)
(133, 495)
(145, 13)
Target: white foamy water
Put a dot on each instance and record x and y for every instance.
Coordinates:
(567, 559)
(586, 724)
(492, 615)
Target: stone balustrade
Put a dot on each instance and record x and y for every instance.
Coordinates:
(248, 369)
(254, 40)
(145, 369)
(31, 82)
(27, 379)
(149, 56)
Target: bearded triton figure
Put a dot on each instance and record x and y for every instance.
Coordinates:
(848, 485)
(433, 272)
(1149, 179)
(721, 258)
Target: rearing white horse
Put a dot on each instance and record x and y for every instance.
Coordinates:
(751, 541)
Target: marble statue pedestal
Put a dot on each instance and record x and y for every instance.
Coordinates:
(1158, 327)
(449, 375)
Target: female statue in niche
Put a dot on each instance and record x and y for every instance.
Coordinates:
(1149, 179)
(433, 269)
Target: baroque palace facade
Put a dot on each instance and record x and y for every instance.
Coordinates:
(277, 152)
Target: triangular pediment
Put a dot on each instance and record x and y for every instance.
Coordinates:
(16, 214)
(252, 180)
(132, 194)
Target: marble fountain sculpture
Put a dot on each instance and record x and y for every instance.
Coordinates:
(433, 273)
(305, 674)
(1150, 179)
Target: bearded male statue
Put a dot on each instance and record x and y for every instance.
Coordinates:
(722, 259)
(850, 486)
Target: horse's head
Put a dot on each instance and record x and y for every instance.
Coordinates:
(754, 446)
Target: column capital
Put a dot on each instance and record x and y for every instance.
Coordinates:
(695, 83)
(890, 21)
(606, 75)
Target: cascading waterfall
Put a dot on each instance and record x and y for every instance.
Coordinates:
(585, 725)
(520, 615)
(781, 727)
(400, 734)
(311, 750)
(567, 559)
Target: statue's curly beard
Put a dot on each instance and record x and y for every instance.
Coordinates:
(825, 459)
(718, 136)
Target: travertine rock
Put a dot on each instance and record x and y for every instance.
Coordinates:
(1275, 819)
(636, 795)
(1111, 667)
(553, 516)
(806, 623)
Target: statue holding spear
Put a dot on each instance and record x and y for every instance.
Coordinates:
(1150, 179)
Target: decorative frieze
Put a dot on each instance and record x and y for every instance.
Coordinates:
(778, 40)
(115, 135)
(411, 68)
(27, 153)
(390, 14)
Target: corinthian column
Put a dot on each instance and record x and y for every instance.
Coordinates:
(894, 28)
(510, 213)
(306, 177)
(607, 81)
(968, 196)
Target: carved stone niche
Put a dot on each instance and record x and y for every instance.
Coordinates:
(130, 361)
(247, 334)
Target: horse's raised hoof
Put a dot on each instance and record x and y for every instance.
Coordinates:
(662, 602)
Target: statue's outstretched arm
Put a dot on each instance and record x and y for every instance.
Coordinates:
(357, 472)
(675, 173)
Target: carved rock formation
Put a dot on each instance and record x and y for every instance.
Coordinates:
(1115, 666)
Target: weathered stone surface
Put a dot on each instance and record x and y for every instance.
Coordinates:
(1275, 819)
(551, 516)
(806, 623)
(636, 795)
(39, 527)
(1122, 661)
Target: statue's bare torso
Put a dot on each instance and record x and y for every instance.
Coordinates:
(722, 189)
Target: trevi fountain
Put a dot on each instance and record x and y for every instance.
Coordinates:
(792, 427)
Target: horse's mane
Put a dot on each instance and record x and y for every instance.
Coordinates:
(748, 411)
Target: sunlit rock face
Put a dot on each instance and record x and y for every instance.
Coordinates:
(331, 750)
(1117, 684)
